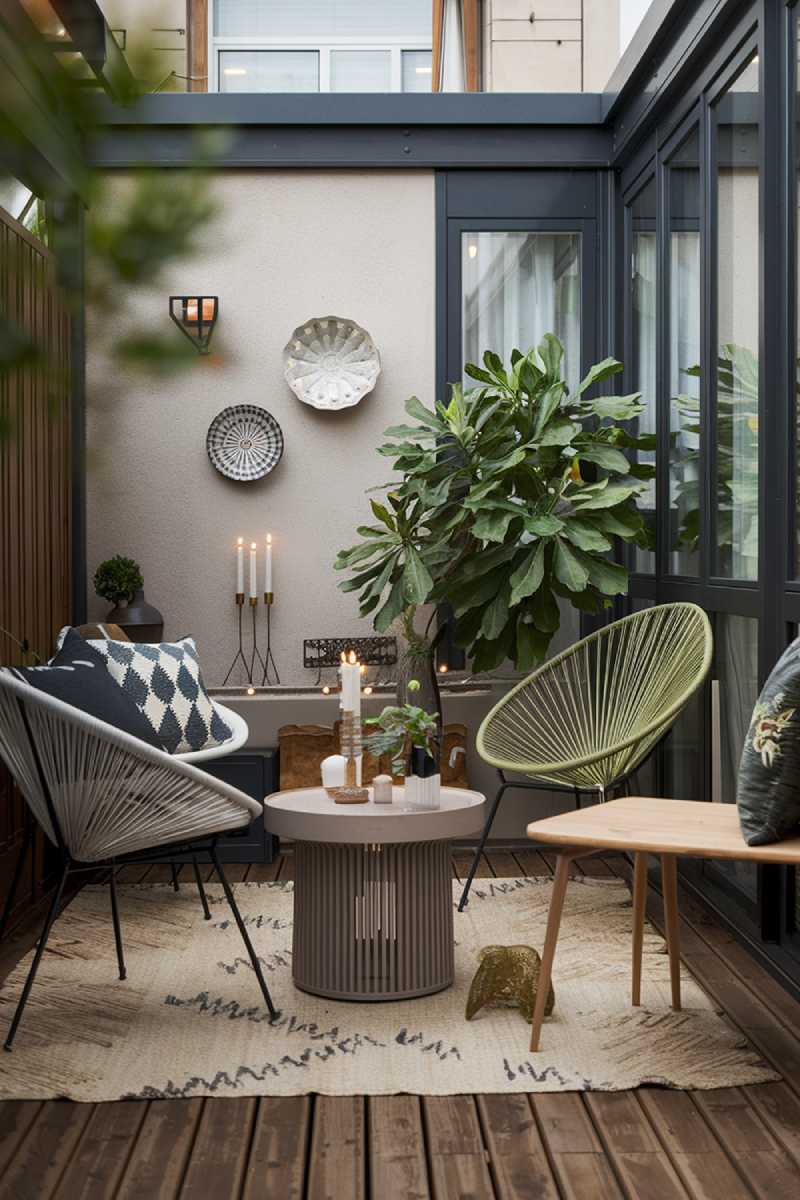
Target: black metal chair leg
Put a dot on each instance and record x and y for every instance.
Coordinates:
(201, 889)
(115, 919)
(52, 913)
(229, 896)
(12, 891)
(175, 885)
(486, 829)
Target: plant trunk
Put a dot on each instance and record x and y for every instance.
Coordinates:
(416, 661)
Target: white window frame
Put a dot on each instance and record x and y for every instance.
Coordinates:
(395, 46)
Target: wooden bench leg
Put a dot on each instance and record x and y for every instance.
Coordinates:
(549, 951)
(639, 901)
(669, 886)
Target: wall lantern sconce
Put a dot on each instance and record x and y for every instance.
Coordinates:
(196, 317)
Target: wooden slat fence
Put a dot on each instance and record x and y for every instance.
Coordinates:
(35, 545)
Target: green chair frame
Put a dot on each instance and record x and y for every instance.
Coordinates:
(589, 716)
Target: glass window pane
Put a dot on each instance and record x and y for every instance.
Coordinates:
(322, 19)
(361, 71)
(517, 287)
(736, 439)
(643, 340)
(269, 71)
(734, 693)
(417, 70)
(684, 355)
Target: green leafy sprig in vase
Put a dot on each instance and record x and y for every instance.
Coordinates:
(400, 729)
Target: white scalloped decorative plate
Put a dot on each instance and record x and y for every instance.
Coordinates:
(331, 363)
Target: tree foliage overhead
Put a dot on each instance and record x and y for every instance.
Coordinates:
(509, 497)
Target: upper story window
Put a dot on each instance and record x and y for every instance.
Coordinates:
(320, 46)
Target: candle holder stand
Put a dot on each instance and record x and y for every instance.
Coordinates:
(350, 739)
(240, 652)
(268, 662)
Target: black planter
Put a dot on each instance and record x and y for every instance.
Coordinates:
(421, 763)
(140, 620)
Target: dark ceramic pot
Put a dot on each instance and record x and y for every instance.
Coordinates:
(140, 620)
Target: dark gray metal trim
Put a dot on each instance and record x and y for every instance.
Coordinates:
(207, 109)
(365, 146)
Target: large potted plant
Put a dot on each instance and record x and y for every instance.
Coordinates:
(507, 499)
(119, 580)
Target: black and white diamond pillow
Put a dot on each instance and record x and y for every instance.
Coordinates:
(164, 680)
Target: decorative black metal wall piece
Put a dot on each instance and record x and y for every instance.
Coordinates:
(327, 652)
(196, 317)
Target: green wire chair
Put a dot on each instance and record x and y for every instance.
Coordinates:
(587, 718)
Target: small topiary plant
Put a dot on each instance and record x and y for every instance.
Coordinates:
(118, 579)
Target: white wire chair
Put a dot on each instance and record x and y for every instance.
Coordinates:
(101, 795)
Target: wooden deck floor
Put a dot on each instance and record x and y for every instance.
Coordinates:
(650, 1144)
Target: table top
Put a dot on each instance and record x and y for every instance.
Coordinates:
(310, 815)
(697, 829)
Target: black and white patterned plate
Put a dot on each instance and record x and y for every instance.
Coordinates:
(244, 442)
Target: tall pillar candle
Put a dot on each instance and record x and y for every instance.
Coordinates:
(268, 567)
(240, 566)
(253, 567)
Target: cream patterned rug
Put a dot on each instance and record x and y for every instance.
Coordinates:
(189, 1020)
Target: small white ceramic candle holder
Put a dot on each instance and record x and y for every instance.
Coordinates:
(382, 789)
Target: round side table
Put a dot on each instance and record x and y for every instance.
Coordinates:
(373, 895)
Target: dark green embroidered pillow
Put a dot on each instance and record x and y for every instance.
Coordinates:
(768, 791)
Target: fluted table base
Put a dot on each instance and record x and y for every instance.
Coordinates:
(373, 921)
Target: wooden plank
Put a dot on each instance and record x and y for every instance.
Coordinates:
(705, 1169)
(779, 1108)
(197, 45)
(235, 872)
(277, 1162)
(532, 863)
(264, 872)
(517, 1156)
(397, 1166)
(502, 864)
(456, 1152)
(16, 1118)
(757, 1155)
(102, 1152)
(579, 1160)
(338, 1149)
(637, 1156)
(219, 1155)
(462, 861)
(37, 1167)
(160, 1154)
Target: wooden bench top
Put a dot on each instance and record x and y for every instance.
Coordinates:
(686, 827)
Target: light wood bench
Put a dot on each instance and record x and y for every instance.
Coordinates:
(642, 825)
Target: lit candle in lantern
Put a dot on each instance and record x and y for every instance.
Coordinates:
(193, 309)
(253, 588)
(240, 566)
(268, 567)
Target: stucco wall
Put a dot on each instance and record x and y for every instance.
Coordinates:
(287, 246)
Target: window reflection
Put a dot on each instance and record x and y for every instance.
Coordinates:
(643, 339)
(518, 286)
(684, 355)
(736, 438)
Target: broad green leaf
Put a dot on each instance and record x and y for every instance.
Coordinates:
(608, 577)
(597, 373)
(611, 496)
(495, 616)
(623, 521)
(545, 525)
(417, 579)
(383, 514)
(478, 373)
(560, 432)
(620, 408)
(532, 645)
(606, 457)
(548, 405)
(544, 610)
(492, 524)
(585, 535)
(486, 654)
(392, 608)
(528, 576)
(415, 408)
(568, 567)
(551, 353)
